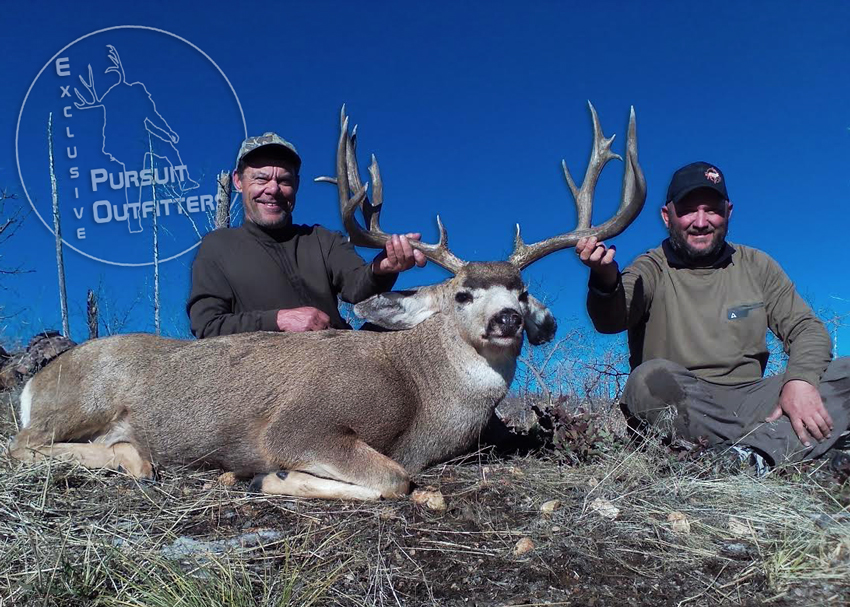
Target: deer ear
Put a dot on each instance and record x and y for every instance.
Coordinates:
(540, 325)
(397, 310)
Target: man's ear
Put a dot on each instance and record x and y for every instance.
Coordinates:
(237, 181)
(665, 215)
(728, 209)
(397, 310)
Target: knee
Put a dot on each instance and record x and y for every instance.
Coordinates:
(838, 368)
(655, 367)
(656, 381)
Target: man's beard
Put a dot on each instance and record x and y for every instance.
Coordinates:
(692, 256)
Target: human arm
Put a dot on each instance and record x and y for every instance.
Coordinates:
(802, 403)
(212, 301)
(616, 300)
(808, 346)
(353, 278)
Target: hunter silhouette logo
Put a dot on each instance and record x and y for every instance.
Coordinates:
(166, 169)
(133, 143)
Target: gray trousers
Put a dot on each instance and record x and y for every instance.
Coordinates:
(668, 396)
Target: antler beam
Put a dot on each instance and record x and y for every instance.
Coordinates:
(631, 201)
(352, 194)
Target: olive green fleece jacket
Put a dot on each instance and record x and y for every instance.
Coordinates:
(712, 320)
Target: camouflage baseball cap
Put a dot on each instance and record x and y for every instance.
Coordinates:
(267, 140)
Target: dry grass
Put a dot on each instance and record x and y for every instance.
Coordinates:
(70, 536)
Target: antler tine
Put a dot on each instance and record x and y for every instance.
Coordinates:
(89, 86)
(346, 187)
(352, 194)
(631, 201)
(372, 209)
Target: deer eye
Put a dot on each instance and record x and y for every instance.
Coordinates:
(463, 297)
(523, 297)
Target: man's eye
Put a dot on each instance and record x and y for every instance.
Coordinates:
(463, 297)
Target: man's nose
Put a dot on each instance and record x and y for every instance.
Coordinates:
(701, 220)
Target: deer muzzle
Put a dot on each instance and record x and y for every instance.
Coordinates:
(506, 323)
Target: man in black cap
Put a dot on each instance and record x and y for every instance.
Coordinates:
(270, 274)
(697, 310)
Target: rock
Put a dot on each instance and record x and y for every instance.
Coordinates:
(550, 506)
(738, 527)
(604, 508)
(523, 546)
(228, 479)
(737, 550)
(185, 546)
(679, 523)
(42, 348)
(430, 498)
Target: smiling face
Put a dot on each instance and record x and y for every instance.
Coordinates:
(697, 224)
(268, 184)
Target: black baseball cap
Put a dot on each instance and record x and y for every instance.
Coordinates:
(694, 176)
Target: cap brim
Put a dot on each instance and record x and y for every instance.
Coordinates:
(275, 148)
(702, 186)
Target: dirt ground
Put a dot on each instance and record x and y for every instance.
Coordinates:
(602, 524)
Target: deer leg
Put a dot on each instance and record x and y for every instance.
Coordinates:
(349, 463)
(120, 456)
(302, 484)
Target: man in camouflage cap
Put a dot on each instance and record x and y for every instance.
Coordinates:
(270, 274)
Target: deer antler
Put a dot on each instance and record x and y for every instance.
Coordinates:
(116, 63)
(90, 88)
(631, 202)
(352, 194)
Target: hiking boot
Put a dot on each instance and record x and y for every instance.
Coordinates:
(736, 459)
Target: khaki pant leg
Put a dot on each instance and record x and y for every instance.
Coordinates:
(667, 396)
(778, 440)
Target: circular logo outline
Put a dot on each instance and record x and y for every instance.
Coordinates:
(29, 90)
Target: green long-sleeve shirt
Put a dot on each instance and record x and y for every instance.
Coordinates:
(712, 320)
(242, 276)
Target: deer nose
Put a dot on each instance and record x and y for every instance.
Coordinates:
(508, 321)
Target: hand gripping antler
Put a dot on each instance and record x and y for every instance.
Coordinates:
(352, 194)
(631, 202)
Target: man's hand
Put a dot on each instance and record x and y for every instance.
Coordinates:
(398, 255)
(801, 402)
(600, 259)
(298, 320)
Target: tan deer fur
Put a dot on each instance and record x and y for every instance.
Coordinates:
(356, 411)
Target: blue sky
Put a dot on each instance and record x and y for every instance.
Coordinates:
(470, 108)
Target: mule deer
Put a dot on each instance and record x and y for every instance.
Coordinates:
(332, 414)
